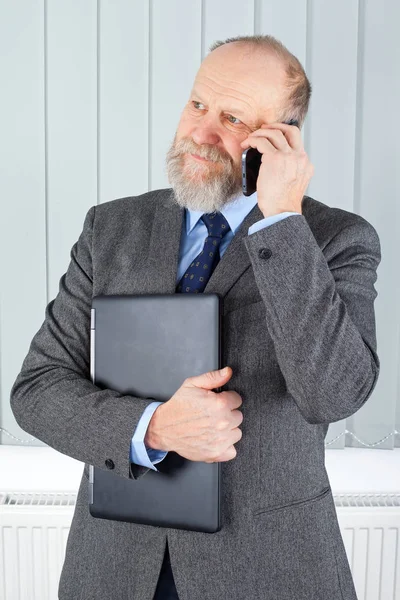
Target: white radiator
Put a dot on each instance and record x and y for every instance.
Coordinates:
(34, 529)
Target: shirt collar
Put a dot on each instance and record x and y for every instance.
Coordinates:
(234, 212)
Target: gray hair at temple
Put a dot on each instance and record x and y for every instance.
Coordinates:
(298, 87)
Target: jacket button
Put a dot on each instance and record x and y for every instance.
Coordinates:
(264, 253)
(109, 463)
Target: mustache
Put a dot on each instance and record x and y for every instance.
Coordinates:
(205, 151)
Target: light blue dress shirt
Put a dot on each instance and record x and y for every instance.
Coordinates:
(192, 241)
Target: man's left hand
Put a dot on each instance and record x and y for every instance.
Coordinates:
(285, 170)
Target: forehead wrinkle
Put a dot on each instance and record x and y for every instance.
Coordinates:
(222, 75)
(249, 88)
(221, 86)
(233, 97)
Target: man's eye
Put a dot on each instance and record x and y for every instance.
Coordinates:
(234, 121)
(232, 117)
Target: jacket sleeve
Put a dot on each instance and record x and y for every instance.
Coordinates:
(320, 312)
(53, 397)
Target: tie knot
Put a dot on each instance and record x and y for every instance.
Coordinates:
(216, 224)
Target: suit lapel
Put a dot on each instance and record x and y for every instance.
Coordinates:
(235, 260)
(163, 257)
(164, 246)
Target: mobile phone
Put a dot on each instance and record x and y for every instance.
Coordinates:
(251, 162)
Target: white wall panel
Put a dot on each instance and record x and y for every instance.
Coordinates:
(175, 42)
(285, 20)
(224, 19)
(123, 98)
(22, 192)
(331, 143)
(71, 126)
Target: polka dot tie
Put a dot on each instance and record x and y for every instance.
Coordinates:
(195, 278)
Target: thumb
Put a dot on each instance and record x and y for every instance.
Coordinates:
(210, 380)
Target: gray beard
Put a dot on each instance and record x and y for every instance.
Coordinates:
(206, 194)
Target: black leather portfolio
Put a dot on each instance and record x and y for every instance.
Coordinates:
(146, 346)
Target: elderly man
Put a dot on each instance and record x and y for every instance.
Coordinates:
(297, 282)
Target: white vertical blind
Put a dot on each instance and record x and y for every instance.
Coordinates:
(71, 125)
(23, 220)
(91, 96)
(175, 56)
(123, 98)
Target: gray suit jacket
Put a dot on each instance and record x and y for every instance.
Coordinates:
(299, 334)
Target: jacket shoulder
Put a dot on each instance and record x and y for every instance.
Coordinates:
(145, 201)
(327, 221)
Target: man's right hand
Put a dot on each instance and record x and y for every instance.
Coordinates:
(197, 423)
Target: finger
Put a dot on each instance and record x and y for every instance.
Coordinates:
(262, 144)
(276, 138)
(291, 133)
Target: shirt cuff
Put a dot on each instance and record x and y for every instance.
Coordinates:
(269, 221)
(140, 454)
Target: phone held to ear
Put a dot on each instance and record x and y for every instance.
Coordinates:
(251, 162)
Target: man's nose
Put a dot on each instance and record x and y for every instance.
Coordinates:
(206, 133)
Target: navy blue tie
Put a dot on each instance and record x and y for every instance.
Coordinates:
(195, 278)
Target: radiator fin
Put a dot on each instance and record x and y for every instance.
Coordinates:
(37, 499)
